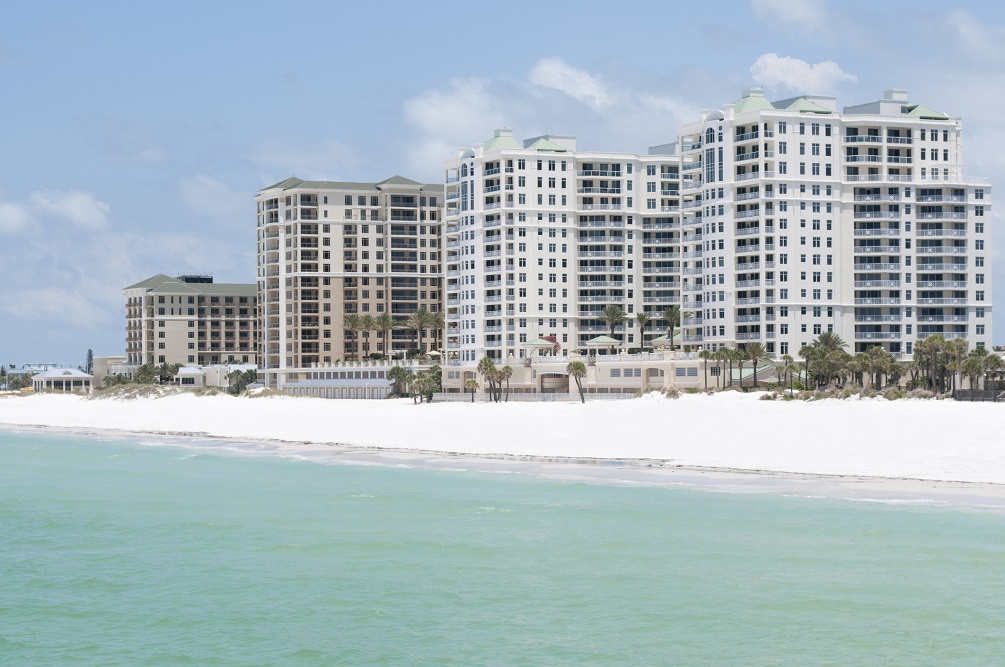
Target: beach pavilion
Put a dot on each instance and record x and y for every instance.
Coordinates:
(62, 379)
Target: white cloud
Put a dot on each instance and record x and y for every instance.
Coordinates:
(556, 74)
(14, 218)
(781, 73)
(209, 197)
(554, 97)
(983, 42)
(52, 304)
(80, 208)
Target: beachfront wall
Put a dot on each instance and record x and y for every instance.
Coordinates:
(63, 379)
(347, 380)
(605, 374)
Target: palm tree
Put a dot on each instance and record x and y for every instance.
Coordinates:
(830, 341)
(436, 323)
(788, 360)
(506, 372)
(672, 316)
(643, 321)
(487, 369)
(472, 386)
(705, 355)
(419, 321)
(613, 315)
(721, 356)
(352, 323)
(366, 325)
(806, 352)
(401, 377)
(576, 370)
(755, 352)
(384, 324)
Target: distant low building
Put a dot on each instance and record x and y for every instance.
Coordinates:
(63, 379)
(105, 366)
(190, 320)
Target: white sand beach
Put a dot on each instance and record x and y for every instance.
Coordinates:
(906, 439)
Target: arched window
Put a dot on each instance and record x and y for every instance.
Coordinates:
(709, 136)
(464, 170)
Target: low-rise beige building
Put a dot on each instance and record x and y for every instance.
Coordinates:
(190, 320)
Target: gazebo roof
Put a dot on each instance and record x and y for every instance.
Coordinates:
(540, 342)
(71, 373)
(603, 340)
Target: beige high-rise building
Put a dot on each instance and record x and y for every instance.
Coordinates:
(190, 320)
(328, 250)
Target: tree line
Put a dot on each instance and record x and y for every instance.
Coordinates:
(359, 326)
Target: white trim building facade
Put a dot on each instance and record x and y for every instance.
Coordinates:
(766, 221)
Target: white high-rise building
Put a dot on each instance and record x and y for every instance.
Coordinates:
(766, 221)
(540, 237)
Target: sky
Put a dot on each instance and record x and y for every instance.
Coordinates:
(136, 135)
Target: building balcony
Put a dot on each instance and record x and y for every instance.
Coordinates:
(877, 318)
(877, 267)
(600, 207)
(942, 302)
(877, 335)
(941, 250)
(941, 284)
(941, 318)
(942, 215)
(878, 301)
(876, 284)
(877, 232)
(877, 249)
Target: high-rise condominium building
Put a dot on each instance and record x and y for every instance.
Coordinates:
(190, 320)
(766, 221)
(328, 250)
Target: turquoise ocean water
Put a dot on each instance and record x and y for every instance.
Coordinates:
(113, 553)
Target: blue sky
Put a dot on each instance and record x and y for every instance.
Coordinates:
(136, 134)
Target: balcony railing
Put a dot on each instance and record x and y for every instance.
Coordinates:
(877, 335)
(876, 284)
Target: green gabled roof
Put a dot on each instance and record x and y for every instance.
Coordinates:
(294, 182)
(805, 106)
(399, 180)
(603, 340)
(290, 182)
(918, 111)
(500, 143)
(168, 285)
(751, 103)
(153, 281)
(543, 144)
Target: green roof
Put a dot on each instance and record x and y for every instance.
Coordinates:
(166, 284)
(294, 182)
(399, 180)
(751, 103)
(804, 105)
(500, 143)
(919, 111)
(543, 144)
